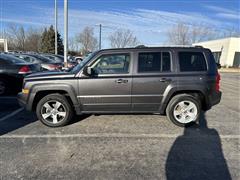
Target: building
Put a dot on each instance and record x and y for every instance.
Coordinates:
(5, 45)
(226, 51)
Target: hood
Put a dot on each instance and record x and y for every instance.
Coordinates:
(49, 75)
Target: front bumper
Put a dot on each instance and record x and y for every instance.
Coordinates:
(22, 99)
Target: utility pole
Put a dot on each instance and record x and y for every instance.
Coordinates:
(65, 32)
(56, 16)
(100, 36)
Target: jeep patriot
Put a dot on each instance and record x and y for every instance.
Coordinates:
(177, 81)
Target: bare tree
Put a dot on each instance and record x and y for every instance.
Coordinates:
(33, 40)
(88, 41)
(22, 39)
(17, 36)
(123, 38)
(178, 35)
(231, 32)
(73, 44)
(182, 34)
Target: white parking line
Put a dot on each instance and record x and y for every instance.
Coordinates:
(115, 135)
(11, 114)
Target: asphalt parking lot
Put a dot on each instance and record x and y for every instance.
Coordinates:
(123, 146)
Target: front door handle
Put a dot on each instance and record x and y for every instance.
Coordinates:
(165, 80)
(119, 81)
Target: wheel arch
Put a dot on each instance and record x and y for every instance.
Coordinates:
(39, 91)
(196, 92)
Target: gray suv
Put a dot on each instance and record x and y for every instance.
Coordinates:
(177, 81)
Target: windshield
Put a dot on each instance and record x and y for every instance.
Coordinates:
(85, 60)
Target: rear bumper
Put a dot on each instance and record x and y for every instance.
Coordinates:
(216, 98)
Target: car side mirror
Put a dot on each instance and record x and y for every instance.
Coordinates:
(87, 71)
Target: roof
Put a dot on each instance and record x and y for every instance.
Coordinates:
(159, 47)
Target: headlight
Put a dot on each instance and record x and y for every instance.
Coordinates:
(25, 91)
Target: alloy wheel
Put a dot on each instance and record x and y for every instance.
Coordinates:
(185, 112)
(53, 111)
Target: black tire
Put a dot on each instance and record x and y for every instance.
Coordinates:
(3, 87)
(175, 100)
(63, 100)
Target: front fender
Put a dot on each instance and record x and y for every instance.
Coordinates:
(51, 87)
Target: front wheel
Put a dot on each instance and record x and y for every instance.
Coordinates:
(54, 110)
(183, 110)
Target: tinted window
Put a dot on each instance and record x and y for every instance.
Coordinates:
(192, 61)
(154, 62)
(11, 59)
(166, 65)
(112, 64)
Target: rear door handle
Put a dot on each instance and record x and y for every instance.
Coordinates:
(119, 81)
(165, 80)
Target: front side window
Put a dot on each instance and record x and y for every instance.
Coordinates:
(192, 61)
(112, 64)
(154, 62)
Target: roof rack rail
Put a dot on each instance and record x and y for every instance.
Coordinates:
(186, 46)
(198, 46)
(140, 46)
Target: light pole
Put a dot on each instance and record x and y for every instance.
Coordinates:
(65, 32)
(100, 36)
(56, 16)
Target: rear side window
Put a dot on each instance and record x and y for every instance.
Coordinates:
(154, 62)
(192, 61)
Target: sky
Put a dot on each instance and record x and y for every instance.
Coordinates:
(148, 19)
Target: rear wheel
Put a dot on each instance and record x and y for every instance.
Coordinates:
(183, 110)
(54, 110)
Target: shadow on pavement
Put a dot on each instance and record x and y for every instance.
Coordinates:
(14, 123)
(197, 154)
(25, 118)
(78, 118)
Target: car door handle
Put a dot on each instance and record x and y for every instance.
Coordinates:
(165, 80)
(119, 81)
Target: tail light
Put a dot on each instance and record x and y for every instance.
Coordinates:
(53, 66)
(24, 70)
(218, 78)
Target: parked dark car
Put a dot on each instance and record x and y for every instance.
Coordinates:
(55, 58)
(176, 81)
(60, 59)
(46, 64)
(12, 72)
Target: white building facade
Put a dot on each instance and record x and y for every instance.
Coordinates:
(5, 44)
(226, 51)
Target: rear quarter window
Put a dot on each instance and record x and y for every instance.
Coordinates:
(192, 61)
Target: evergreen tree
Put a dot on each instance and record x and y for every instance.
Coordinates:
(48, 41)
